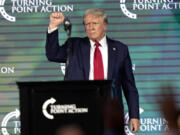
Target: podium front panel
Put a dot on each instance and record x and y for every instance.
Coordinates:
(46, 107)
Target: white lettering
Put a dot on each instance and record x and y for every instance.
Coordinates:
(60, 109)
(17, 124)
(29, 6)
(17, 127)
(150, 128)
(31, 2)
(17, 130)
(7, 70)
(146, 6)
(153, 1)
(155, 5)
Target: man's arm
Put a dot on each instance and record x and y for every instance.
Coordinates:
(130, 92)
(54, 52)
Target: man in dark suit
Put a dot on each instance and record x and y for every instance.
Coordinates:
(96, 57)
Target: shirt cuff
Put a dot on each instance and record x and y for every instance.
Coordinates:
(52, 30)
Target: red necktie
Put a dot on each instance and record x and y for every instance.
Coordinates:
(98, 63)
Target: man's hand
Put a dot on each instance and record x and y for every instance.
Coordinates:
(55, 20)
(134, 125)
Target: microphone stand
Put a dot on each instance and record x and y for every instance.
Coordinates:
(68, 31)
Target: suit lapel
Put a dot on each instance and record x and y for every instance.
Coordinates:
(86, 57)
(111, 58)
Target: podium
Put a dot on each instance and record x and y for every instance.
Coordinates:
(47, 106)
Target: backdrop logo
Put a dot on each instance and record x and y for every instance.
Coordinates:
(7, 119)
(125, 11)
(156, 124)
(32, 6)
(60, 109)
(4, 14)
(139, 5)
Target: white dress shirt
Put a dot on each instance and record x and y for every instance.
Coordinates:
(50, 31)
(104, 52)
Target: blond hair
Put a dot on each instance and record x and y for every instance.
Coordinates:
(97, 13)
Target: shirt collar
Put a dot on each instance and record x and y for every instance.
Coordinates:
(103, 42)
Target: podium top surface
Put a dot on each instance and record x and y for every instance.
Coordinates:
(66, 82)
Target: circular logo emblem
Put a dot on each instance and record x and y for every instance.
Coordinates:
(4, 14)
(125, 11)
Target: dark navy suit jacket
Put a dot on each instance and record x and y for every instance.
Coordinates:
(119, 66)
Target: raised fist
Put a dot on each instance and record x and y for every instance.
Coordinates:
(55, 19)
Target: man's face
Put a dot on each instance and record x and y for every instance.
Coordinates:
(95, 27)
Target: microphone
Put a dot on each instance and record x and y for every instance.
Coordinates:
(67, 26)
